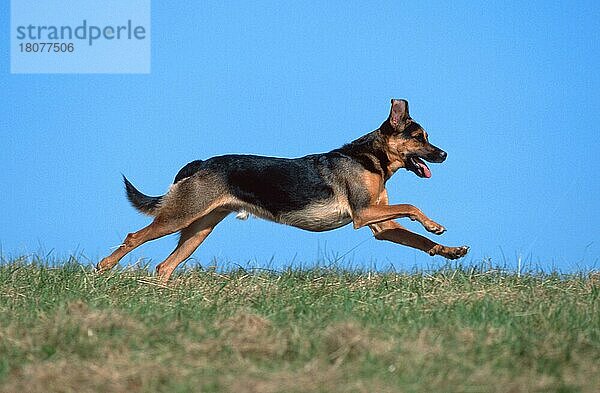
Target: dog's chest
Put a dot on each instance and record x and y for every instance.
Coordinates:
(319, 216)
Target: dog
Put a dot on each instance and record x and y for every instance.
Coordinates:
(318, 192)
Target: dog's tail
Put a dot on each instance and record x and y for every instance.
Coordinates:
(143, 203)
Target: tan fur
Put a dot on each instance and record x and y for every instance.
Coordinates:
(320, 216)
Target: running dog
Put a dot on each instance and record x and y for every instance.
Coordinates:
(318, 192)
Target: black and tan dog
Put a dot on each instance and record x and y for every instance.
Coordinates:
(318, 192)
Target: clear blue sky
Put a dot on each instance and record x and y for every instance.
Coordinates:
(510, 91)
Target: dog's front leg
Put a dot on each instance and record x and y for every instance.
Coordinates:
(379, 213)
(394, 232)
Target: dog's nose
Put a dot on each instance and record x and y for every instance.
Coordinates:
(443, 155)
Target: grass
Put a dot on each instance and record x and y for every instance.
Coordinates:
(66, 329)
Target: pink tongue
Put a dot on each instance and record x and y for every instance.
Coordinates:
(424, 168)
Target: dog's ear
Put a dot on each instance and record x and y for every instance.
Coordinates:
(398, 113)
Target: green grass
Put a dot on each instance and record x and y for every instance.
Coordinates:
(66, 329)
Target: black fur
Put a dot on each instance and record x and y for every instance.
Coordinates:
(280, 185)
(277, 185)
(188, 170)
(144, 203)
(368, 151)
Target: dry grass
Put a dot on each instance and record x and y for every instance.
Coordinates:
(68, 330)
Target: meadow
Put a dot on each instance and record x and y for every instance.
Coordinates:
(64, 328)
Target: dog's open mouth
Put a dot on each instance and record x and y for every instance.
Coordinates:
(418, 166)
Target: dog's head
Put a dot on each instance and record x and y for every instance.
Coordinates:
(407, 142)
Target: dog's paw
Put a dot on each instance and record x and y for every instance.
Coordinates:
(449, 252)
(104, 265)
(434, 227)
(456, 252)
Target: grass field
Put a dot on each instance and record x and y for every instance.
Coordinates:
(67, 329)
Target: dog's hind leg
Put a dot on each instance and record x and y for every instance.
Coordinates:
(191, 237)
(394, 232)
(158, 228)
(185, 203)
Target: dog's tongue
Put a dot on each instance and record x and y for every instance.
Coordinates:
(424, 168)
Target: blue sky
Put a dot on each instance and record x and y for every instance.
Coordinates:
(510, 91)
